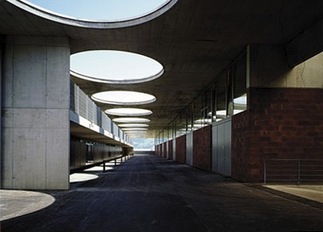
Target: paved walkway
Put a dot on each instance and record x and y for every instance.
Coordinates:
(148, 193)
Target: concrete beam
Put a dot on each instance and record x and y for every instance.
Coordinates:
(305, 45)
(268, 66)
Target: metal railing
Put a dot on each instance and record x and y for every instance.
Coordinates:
(293, 170)
(83, 105)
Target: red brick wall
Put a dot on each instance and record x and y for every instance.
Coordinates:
(202, 148)
(181, 149)
(159, 150)
(156, 150)
(164, 153)
(240, 146)
(280, 124)
(170, 149)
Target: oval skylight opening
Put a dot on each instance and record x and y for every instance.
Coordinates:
(123, 97)
(114, 67)
(131, 120)
(129, 125)
(142, 129)
(100, 10)
(128, 112)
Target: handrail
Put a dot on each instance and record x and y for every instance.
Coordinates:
(84, 106)
(293, 170)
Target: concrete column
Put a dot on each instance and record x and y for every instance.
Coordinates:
(35, 113)
(1, 54)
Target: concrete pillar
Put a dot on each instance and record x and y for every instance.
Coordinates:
(35, 113)
(1, 54)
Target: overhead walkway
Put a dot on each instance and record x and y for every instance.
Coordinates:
(148, 193)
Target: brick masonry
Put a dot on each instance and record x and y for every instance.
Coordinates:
(158, 149)
(181, 149)
(164, 153)
(170, 149)
(279, 124)
(202, 140)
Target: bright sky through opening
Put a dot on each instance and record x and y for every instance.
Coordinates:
(100, 10)
(115, 66)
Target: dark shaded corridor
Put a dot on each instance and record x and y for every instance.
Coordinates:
(148, 193)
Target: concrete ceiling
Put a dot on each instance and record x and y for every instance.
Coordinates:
(194, 41)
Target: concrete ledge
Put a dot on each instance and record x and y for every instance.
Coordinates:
(33, 9)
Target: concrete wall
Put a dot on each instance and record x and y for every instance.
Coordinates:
(1, 71)
(35, 113)
(280, 124)
(202, 140)
(270, 69)
(307, 74)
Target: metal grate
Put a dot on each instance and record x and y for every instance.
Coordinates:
(83, 105)
(293, 170)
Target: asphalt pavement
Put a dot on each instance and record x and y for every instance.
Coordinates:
(148, 193)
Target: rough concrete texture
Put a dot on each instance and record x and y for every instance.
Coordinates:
(35, 113)
(148, 193)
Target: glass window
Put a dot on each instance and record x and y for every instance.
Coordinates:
(221, 97)
(240, 86)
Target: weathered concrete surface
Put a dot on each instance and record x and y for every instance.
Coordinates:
(194, 40)
(148, 193)
(35, 113)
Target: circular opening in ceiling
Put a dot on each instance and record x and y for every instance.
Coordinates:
(128, 112)
(114, 67)
(99, 10)
(131, 120)
(142, 129)
(123, 97)
(132, 125)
